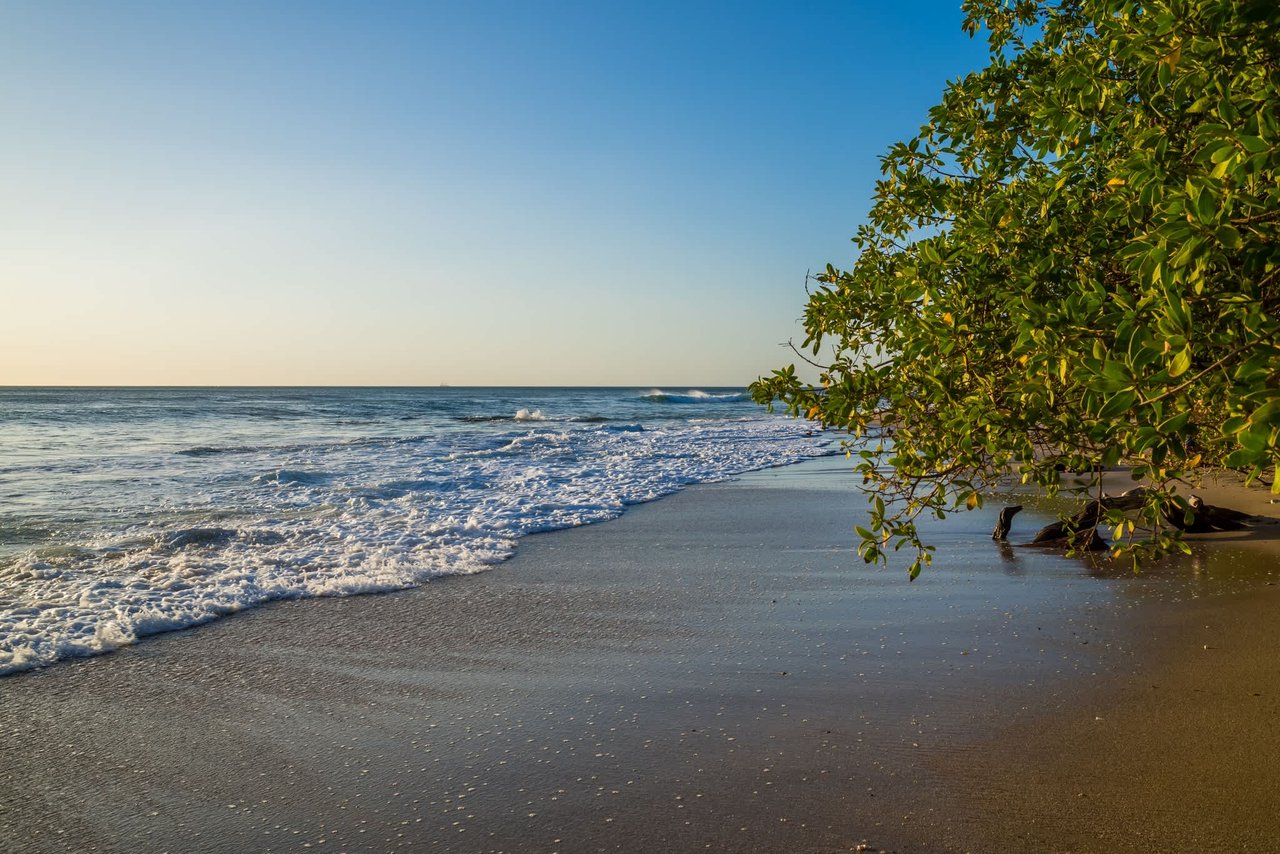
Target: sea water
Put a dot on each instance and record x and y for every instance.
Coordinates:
(126, 512)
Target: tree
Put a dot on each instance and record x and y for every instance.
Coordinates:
(1073, 265)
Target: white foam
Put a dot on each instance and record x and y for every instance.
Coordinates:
(693, 396)
(357, 518)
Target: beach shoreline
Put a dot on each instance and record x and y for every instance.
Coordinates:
(716, 670)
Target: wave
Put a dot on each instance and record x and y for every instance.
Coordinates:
(24, 532)
(694, 396)
(209, 451)
(393, 489)
(528, 415)
(194, 537)
(341, 520)
(363, 441)
(305, 478)
(521, 415)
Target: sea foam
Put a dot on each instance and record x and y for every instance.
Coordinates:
(694, 396)
(203, 535)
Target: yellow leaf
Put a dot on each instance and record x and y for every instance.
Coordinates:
(1116, 182)
(972, 501)
(1172, 59)
(947, 318)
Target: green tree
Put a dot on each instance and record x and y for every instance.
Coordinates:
(1073, 265)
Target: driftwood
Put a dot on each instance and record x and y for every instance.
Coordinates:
(1004, 522)
(1085, 523)
(1082, 528)
(1202, 518)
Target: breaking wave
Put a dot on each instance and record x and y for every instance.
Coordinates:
(282, 512)
(694, 396)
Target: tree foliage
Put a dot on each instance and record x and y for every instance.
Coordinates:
(1073, 265)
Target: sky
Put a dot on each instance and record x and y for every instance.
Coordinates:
(418, 193)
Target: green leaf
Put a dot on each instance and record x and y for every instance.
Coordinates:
(1253, 144)
(1257, 366)
(1110, 456)
(1206, 207)
(1229, 237)
(1118, 403)
(1268, 413)
(1175, 424)
(1256, 439)
(1181, 362)
(1221, 152)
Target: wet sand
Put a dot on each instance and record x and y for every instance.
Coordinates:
(713, 671)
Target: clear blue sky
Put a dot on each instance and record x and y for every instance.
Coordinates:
(413, 193)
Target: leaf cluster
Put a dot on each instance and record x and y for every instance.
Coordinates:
(1073, 265)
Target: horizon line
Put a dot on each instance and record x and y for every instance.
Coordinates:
(348, 386)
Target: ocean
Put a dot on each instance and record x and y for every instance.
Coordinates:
(126, 512)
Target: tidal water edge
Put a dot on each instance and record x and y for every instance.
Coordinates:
(127, 512)
(714, 669)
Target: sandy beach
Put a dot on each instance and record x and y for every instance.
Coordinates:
(447, 427)
(713, 671)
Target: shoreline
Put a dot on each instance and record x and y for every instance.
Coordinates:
(717, 669)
